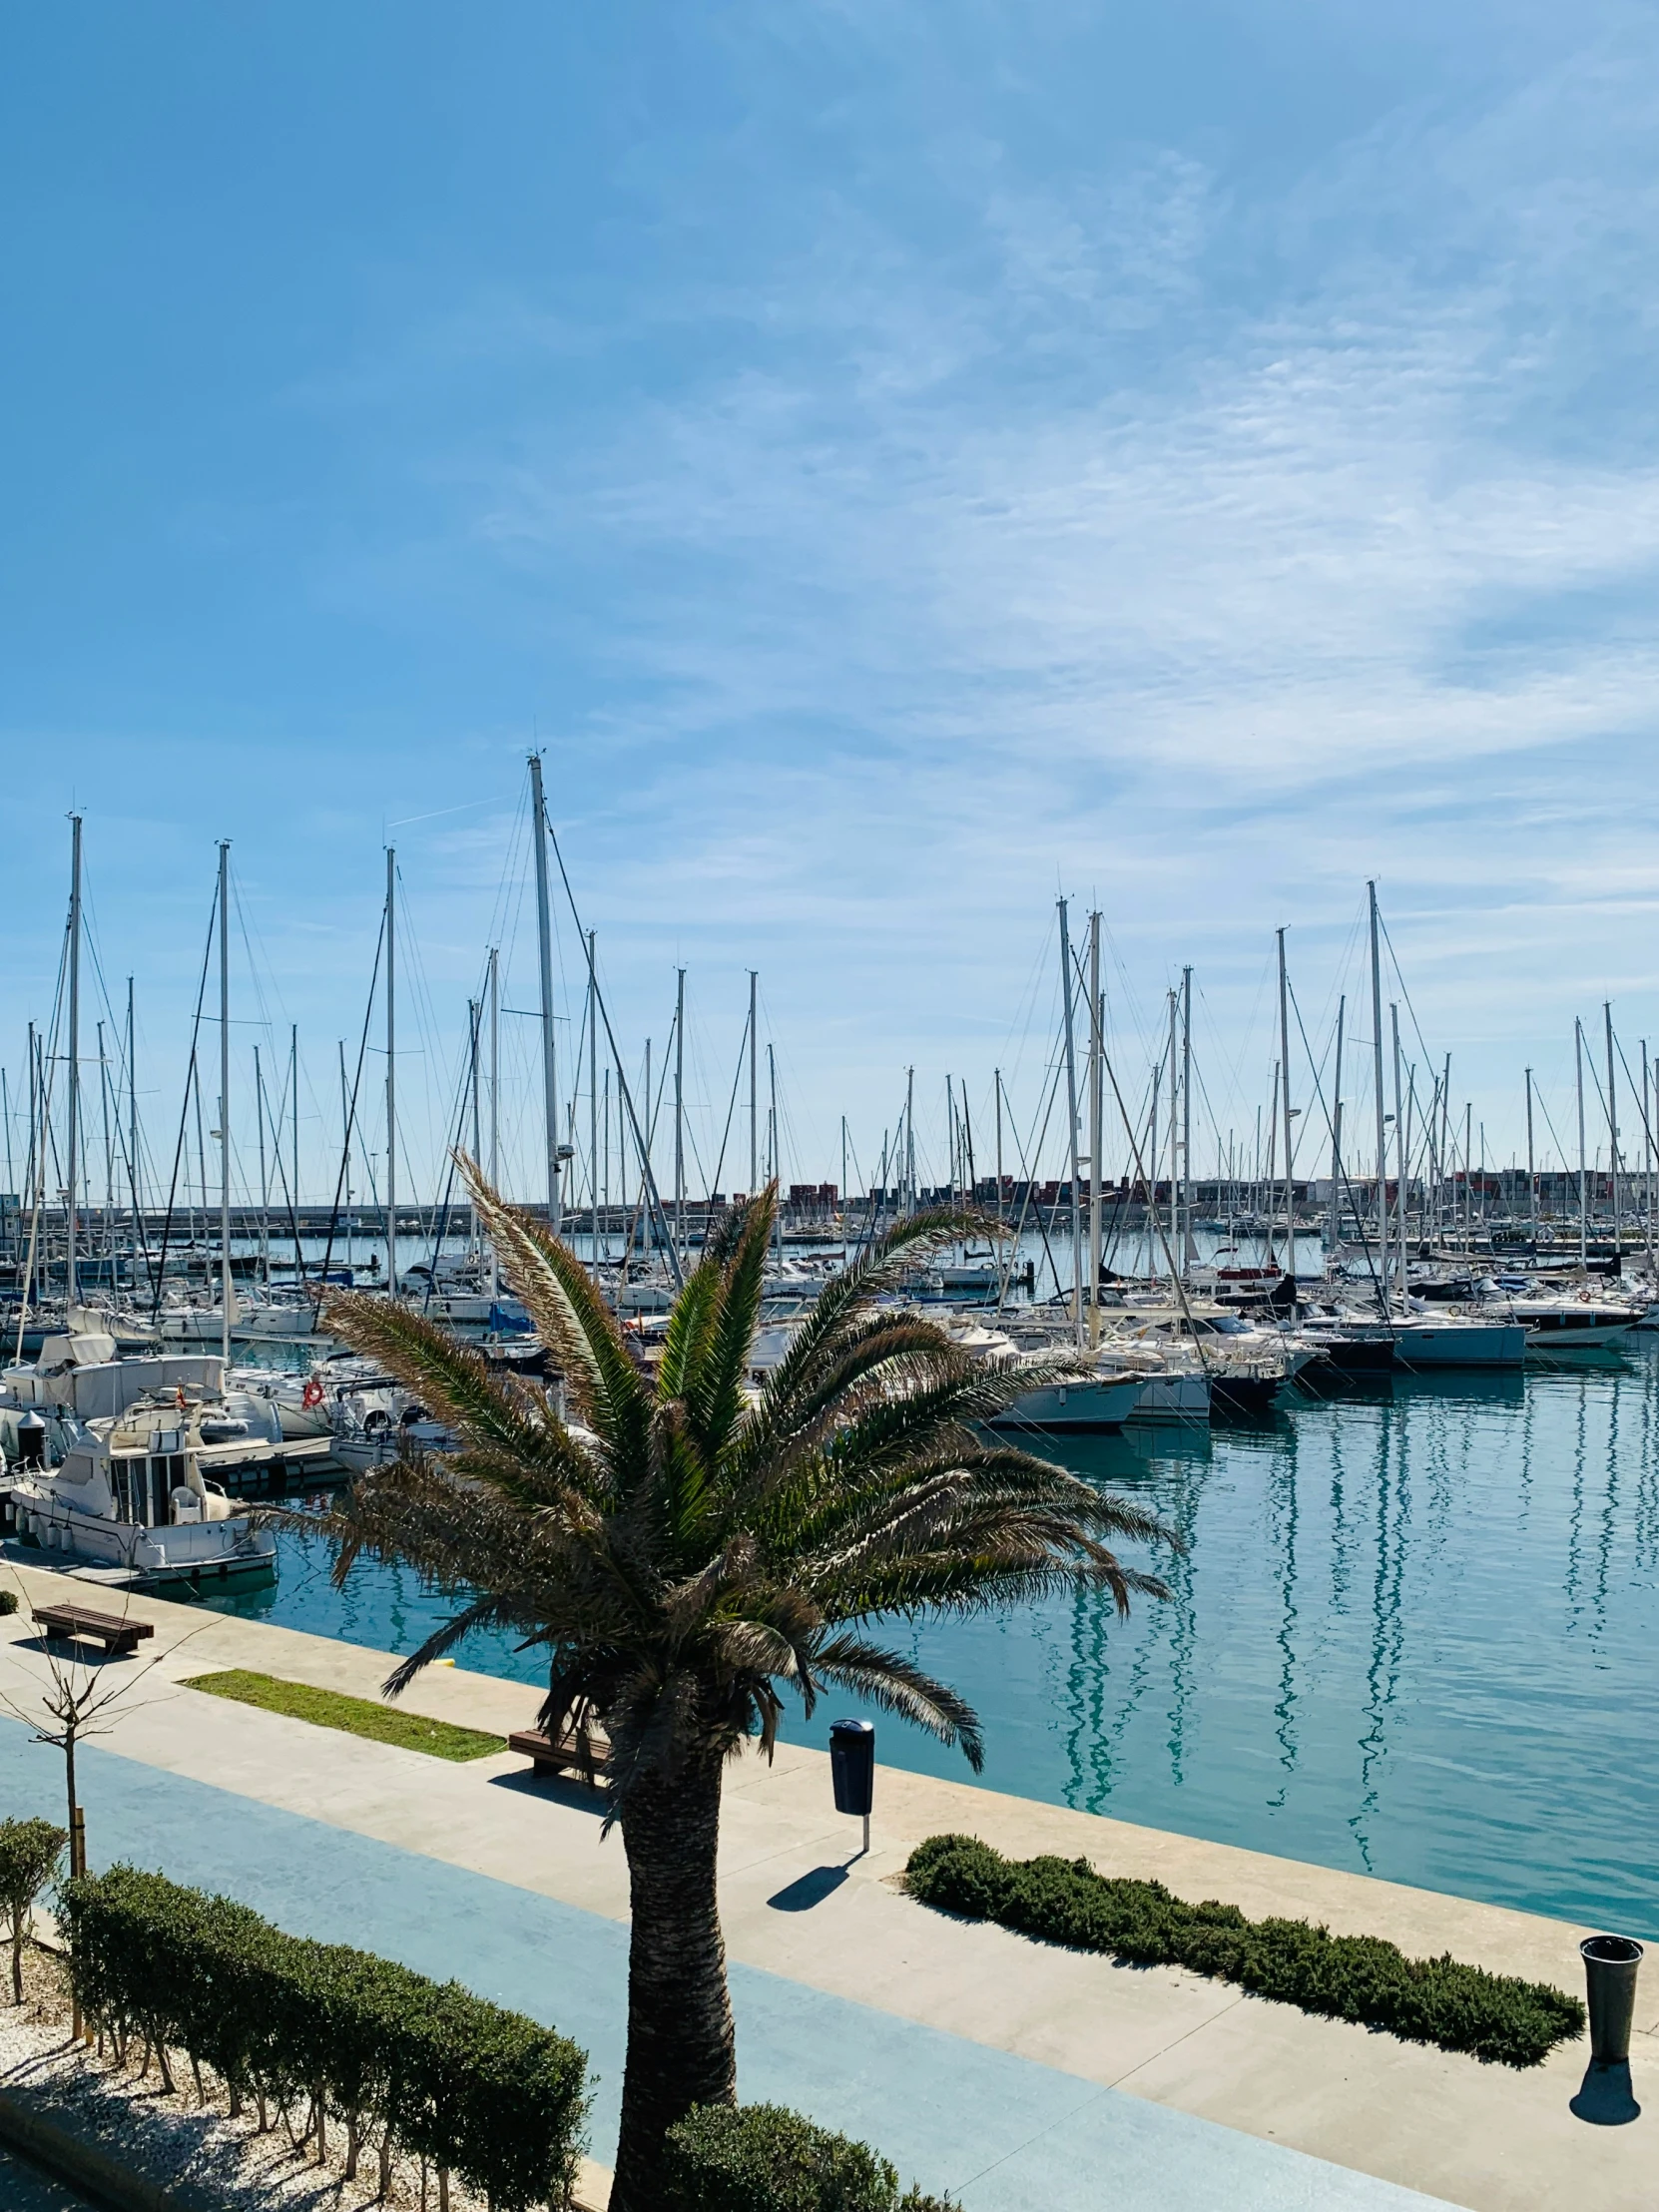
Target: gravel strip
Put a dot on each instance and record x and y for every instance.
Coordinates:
(179, 2141)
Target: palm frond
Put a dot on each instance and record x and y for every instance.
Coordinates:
(864, 1365)
(574, 1322)
(882, 1268)
(454, 1380)
(714, 1390)
(690, 1327)
(897, 1685)
(484, 1612)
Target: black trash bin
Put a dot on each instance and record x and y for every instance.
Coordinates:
(1610, 1964)
(1606, 2096)
(852, 1769)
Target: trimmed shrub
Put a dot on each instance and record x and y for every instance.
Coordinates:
(1349, 1977)
(762, 2159)
(29, 1854)
(479, 2091)
(8, 1602)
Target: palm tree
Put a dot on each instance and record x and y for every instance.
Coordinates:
(686, 1549)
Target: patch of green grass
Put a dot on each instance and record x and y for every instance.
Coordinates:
(1346, 1977)
(355, 1716)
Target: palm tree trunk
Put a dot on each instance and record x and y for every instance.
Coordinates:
(679, 2044)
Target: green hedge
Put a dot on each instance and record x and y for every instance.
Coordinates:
(481, 2092)
(1347, 1977)
(762, 2159)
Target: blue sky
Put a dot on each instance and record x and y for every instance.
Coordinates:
(901, 462)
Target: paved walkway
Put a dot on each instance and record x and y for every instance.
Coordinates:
(1014, 2074)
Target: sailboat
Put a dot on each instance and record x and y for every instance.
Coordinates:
(109, 1460)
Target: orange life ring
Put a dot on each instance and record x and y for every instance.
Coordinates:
(312, 1395)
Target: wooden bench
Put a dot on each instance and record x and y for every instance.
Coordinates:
(547, 1757)
(107, 1629)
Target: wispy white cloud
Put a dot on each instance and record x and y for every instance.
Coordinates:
(1001, 462)
(1292, 577)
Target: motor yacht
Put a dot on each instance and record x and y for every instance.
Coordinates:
(110, 1466)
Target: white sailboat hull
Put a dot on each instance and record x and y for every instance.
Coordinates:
(1080, 1406)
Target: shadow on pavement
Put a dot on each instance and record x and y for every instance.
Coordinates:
(812, 1888)
(1606, 2098)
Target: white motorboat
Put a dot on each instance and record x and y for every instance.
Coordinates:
(1246, 1368)
(1571, 1324)
(110, 1466)
(130, 1503)
(1175, 1389)
(363, 1441)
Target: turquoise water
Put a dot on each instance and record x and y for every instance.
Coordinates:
(1415, 1634)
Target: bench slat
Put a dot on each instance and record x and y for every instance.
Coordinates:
(550, 1757)
(79, 1620)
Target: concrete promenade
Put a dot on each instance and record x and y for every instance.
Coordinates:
(1017, 2075)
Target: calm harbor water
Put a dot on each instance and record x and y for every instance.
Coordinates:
(1412, 1633)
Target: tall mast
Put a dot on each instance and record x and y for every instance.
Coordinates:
(680, 1108)
(1401, 1158)
(132, 1129)
(1150, 1211)
(909, 1140)
(1532, 1177)
(72, 1194)
(36, 1176)
(593, 1098)
(1376, 1084)
(1174, 1130)
(544, 947)
(1583, 1172)
(293, 1112)
(264, 1179)
(109, 1157)
(1647, 1162)
(474, 1022)
(774, 1164)
(391, 1069)
(495, 1069)
(1446, 1140)
(1096, 1103)
(1285, 1098)
(1071, 1119)
(1337, 1131)
(1185, 1224)
(998, 1083)
(1612, 1131)
(842, 1194)
(753, 1091)
(225, 1096)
